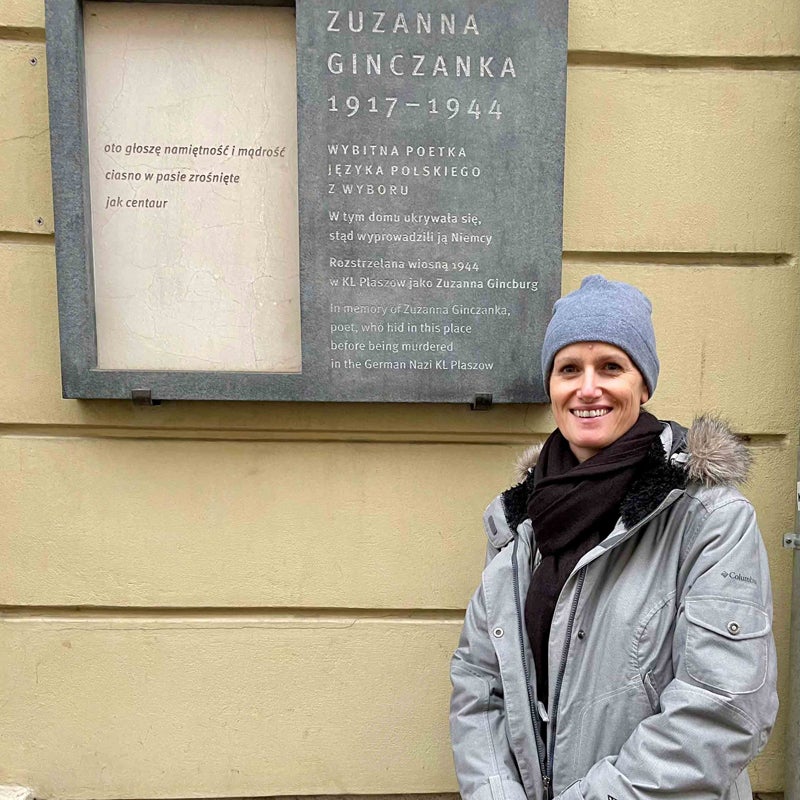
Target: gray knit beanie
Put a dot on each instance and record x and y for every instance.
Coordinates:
(604, 311)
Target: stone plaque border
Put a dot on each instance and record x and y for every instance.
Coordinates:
(81, 378)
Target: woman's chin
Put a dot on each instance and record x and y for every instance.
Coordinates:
(594, 436)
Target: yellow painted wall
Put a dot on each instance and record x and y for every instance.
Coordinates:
(219, 599)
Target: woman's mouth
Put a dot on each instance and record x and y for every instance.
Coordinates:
(585, 413)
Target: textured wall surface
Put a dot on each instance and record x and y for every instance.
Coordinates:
(231, 600)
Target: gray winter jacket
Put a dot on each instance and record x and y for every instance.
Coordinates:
(661, 657)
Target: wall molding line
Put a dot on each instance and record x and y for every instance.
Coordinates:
(616, 60)
(27, 239)
(22, 34)
(685, 259)
(224, 615)
(498, 438)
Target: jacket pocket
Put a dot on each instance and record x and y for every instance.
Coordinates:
(653, 695)
(606, 722)
(726, 643)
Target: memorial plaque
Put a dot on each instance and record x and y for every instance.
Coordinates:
(431, 160)
(330, 202)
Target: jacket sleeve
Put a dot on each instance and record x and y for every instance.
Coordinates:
(485, 766)
(715, 715)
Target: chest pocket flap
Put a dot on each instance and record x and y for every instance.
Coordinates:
(726, 645)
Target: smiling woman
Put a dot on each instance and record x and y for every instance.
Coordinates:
(596, 393)
(608, 599)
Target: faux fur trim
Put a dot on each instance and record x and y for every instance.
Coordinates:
(717, 456)
(526, 462)
(515, 502)
(515, 499)
(657, 478)
(713, 455)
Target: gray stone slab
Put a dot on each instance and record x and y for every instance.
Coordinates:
(431, 161)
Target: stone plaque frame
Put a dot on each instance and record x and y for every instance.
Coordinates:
(81, 377)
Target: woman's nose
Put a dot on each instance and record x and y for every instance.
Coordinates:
(589, 390)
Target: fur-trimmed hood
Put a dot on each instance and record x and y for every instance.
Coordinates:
(716, 456)
(709, 453)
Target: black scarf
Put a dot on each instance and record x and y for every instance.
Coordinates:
(574, 506)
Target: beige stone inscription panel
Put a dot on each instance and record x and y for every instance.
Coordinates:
(193, 162)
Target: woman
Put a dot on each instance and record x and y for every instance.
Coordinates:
(620, 643)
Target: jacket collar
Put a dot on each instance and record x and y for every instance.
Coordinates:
(708, 453)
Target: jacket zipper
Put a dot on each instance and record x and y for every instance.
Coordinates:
(562, 667)
(540, 745)
(545, 757)
(581, 576)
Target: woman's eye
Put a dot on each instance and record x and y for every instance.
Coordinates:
(612, 366)
(567, 369)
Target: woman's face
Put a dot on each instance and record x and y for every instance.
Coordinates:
(595, 394)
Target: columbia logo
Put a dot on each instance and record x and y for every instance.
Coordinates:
(737, 576)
